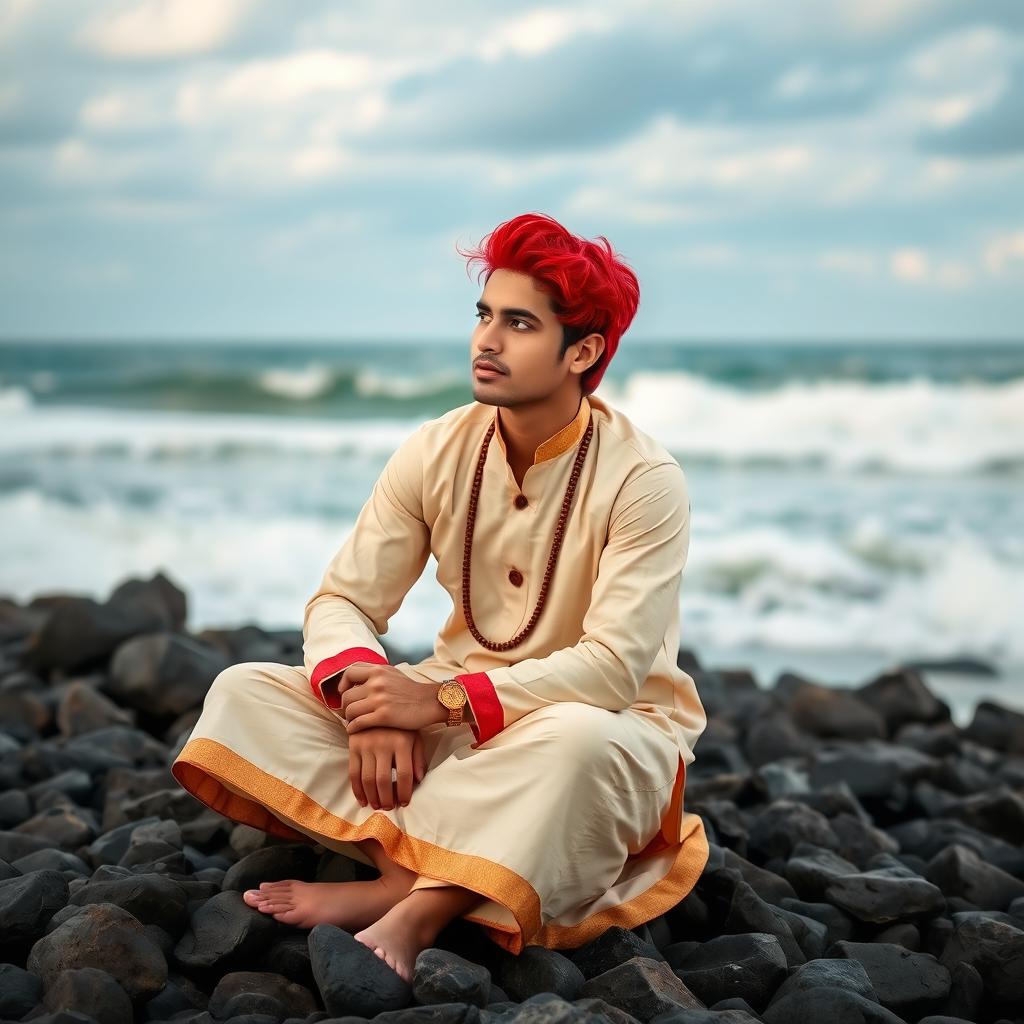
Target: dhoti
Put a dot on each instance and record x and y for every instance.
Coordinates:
(568, 821)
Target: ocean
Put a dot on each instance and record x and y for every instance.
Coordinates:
(853, 505)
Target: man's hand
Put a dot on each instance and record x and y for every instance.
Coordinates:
(371, 756)
(381, 695)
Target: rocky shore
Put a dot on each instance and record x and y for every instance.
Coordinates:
(867, 857)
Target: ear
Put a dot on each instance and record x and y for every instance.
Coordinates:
(590, 349)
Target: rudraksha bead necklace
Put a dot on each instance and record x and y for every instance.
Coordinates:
(556, 544)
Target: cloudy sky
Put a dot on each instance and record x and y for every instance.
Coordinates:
(257, 168)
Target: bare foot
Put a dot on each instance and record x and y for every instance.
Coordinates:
(349, 905)
(398, 938)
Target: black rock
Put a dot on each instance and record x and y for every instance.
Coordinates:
(998, 812)
(110, 847)
(871, 768)
(440, 976)
(774, 737)
(80, 633)
(272, 864)
(537, 969)
(909, 984)
(151, 898)
(104, 936)
(83, 708)
(837, 924)
(750, 966)
(859, 840)
(827, 973)
(901, 697)
(178, 995)
(612, 947)
(925, 839)
(27, 903)
(600, 1010)
(351, 978)
(225, 931)
(20, 991)
(959, 871)
(164, 673)
(995, 948)
(885, 894)
(439, 1013)
(62, 824)
(783, 824)
(15, 845)
(811, 869)
(749, 913)
(835, 1005)
(642, 987)
(250, 992)
(997, 727)
(92, 991)
(967, 992)
(768, 885)
(827, 711)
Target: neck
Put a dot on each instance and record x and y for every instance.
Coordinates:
(526, 427)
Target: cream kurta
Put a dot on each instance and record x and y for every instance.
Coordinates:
(591, 705)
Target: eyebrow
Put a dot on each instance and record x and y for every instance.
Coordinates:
(524, 313)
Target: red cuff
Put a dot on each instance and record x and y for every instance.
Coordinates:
(489, 718)
(333, 665)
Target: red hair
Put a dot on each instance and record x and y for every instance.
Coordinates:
(591, 289)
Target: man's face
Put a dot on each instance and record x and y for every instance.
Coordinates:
(518, 331)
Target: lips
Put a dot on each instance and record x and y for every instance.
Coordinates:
(488, 367)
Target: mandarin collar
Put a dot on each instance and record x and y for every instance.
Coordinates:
(559, 442)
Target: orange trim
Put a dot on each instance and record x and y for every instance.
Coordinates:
(334, 664)
(204, 766)
(559, 442)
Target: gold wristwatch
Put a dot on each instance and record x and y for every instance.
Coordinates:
(452, 695)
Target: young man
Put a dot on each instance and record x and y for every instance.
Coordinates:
(547, 735)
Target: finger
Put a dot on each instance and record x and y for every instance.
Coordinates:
(355, 776)
(358, 705)
(369, 775)
(367, 721)
(349, 692)
(384, 784)
(419, 757)
(403, 762)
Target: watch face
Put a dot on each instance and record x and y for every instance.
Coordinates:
(451, 695)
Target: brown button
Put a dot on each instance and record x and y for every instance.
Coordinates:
(515, 577)
(522, 501)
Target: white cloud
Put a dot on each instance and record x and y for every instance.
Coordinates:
(120, 111)
(541, 30)
(164, 28)
(909, 264)
(78, 162)
(1002, 253)
(917, 266)
(13, 14)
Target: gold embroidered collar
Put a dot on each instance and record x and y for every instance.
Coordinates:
(559, 442)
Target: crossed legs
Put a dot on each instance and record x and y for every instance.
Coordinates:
(384, 913)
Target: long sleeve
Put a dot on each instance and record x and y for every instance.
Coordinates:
(634, 596)
(369, 576)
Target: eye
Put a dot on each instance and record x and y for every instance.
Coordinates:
(481, 315)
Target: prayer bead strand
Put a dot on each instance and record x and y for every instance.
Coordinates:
(556, 545)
